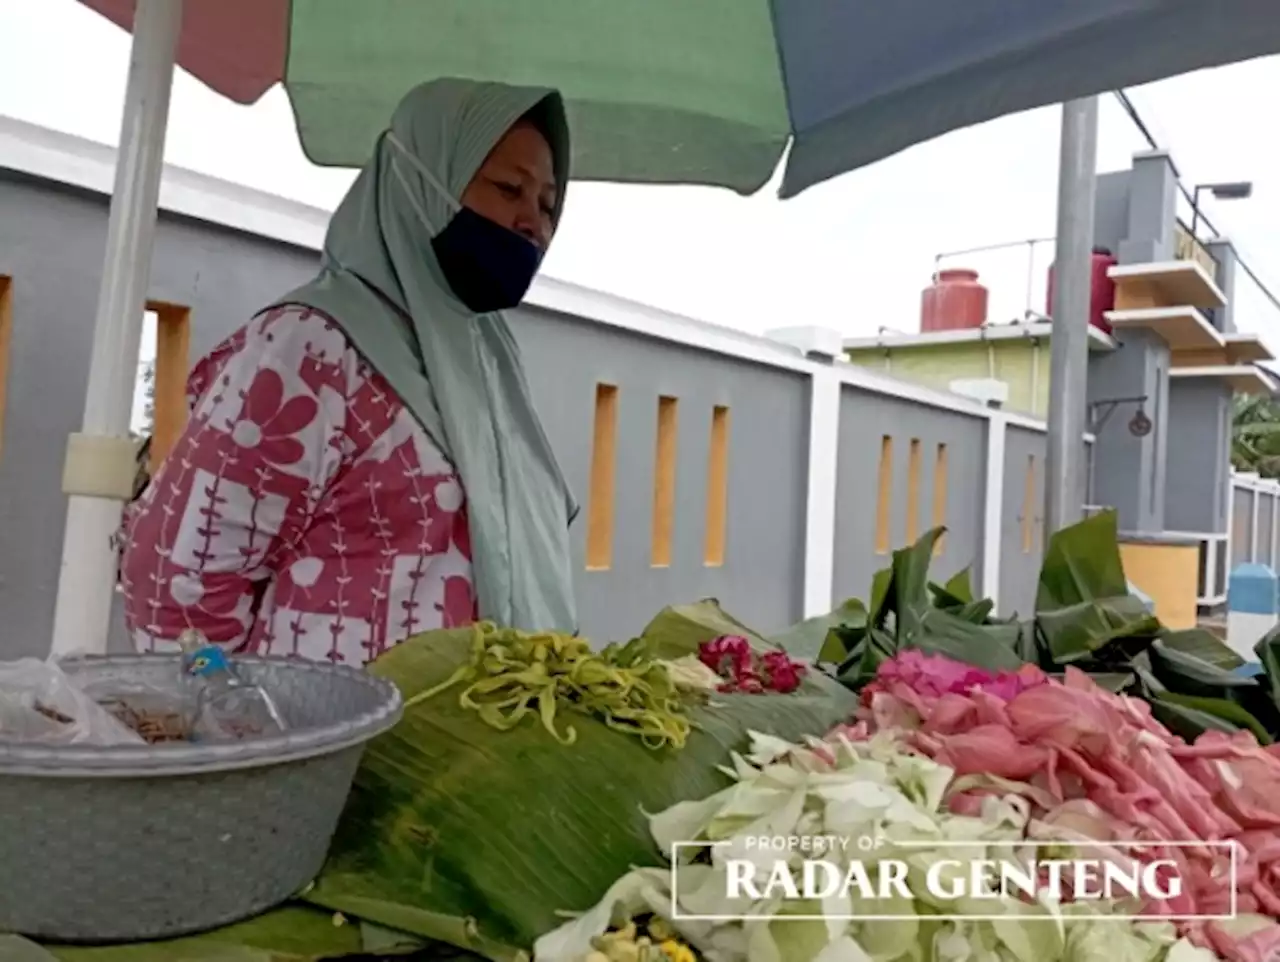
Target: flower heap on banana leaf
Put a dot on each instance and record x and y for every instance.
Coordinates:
(850, 790)
(744, 670)
(1092, 764)
(514, 674)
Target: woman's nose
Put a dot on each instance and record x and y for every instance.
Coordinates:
(532, 225)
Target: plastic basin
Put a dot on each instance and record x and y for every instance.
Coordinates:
(128, 844)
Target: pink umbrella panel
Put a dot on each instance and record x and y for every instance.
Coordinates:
(236, 47)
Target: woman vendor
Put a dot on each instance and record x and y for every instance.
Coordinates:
(363, 461)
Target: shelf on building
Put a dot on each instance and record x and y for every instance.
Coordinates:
(1167, 283)
(1099, 340)
(1243, 378)
(1182, 328)
(1244, 348)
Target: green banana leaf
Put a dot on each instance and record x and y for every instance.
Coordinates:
(1221, 709)
(1186, 722)
(482, 839)
(1268, 651)
(1204, 645)
(1083, 602)
(1082, 564)
(956, 596)
(960, 586)
(807, 640)
(1082, 630)
(678, 630)
(907, 617)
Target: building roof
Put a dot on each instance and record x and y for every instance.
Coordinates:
(1031, 330)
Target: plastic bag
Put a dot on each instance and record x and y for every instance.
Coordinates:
(156, 714)
(40, 703)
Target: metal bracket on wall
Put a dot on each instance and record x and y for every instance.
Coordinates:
(1100, 412)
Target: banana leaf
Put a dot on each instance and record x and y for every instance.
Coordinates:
(960, 586)
(678, 630)
(1078, 631)
(1083, 602)
(1082, 564)
(1238, 707)
(463, 834)
(1221, 709)
(1268, 651)
(909, 611)
(956, 596)
(1204, 645)
(807, 640)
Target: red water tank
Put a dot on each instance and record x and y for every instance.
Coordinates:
(954, 301)
(1102, 292)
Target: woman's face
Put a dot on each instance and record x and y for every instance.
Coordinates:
(516, 185)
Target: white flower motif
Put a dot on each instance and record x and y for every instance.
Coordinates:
(448, 495)
(305, 572)
(246, 433)
(186, 589)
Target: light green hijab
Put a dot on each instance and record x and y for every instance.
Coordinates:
(459, 373)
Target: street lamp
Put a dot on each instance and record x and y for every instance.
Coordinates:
(1234, 190)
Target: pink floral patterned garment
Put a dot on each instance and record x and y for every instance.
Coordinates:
(303, 511)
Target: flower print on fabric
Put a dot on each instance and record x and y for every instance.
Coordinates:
(303, 512)
(270, 424)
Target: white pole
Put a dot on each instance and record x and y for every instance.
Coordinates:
(1253, 521)
(85, 586)
(993, 508)
(820, 512)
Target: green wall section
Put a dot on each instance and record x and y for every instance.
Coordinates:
(937, 365)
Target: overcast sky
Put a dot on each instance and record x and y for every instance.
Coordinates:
(852, 254)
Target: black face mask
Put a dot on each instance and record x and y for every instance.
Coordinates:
(488, 267)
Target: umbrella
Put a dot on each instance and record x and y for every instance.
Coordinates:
(709, 91)
(659, 91)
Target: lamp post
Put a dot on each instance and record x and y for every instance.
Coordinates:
(1232, 190)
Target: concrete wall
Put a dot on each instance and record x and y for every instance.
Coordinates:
(811, 511)
(1111, 210)
(51, 247)
(1198, 455)
(1129, 472)
(904, 468)
(761, 580)
(1022, 540)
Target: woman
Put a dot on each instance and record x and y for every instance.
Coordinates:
(363, 460)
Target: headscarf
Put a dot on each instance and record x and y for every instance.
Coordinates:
(457, 372)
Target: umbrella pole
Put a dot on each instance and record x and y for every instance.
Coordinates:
(102, 454)
(1069, 346)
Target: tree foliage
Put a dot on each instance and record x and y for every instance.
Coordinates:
(1255, 435)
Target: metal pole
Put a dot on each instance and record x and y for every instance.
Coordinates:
(87, 578)
(1069, 346)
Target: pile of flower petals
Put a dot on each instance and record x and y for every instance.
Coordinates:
(1096, 765)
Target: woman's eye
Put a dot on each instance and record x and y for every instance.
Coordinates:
(509, 190)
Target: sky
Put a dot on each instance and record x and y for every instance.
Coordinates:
(852, 255)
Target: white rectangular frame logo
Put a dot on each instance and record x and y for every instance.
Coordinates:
(1230, 844)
